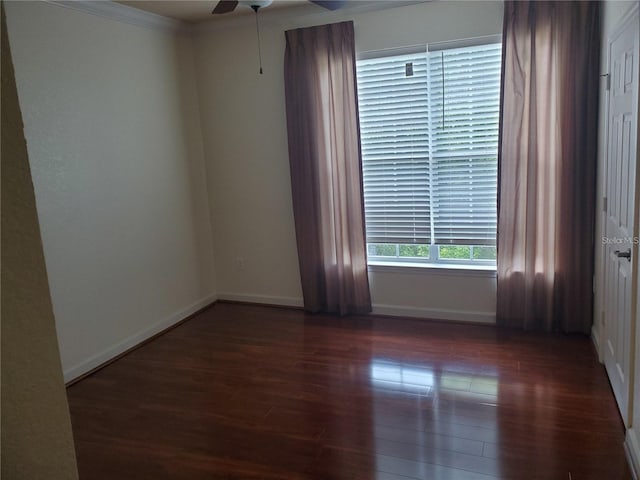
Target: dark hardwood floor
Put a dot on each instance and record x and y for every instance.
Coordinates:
(247, 392)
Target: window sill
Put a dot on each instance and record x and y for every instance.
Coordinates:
(488, 271)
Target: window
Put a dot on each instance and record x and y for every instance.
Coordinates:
(429, 134)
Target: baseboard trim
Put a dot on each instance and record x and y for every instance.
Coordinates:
(113, 353)
(486, 318)
(632, 451)
(262, 299)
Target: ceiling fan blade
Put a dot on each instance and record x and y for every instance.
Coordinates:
(225, 6)
(330, 4)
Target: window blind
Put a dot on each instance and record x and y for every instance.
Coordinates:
(429, 137)
(394, 132)
(464, 154)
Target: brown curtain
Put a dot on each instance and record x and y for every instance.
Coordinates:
(551, 56)
(325, 162)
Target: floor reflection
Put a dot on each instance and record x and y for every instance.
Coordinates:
(253, 392)
(398, 376)
(434, 421)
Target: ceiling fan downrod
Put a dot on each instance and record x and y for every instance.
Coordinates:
(255, 9)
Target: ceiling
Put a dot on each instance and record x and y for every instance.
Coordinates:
(195, 11)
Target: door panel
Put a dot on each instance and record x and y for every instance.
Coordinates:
(620, 211)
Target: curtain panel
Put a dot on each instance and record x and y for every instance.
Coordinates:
(547, 165)
(325, 163)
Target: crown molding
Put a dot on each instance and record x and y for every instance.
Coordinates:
(124, 14)
(302, 15)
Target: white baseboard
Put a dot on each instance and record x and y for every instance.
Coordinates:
(108, 354)
(595, 338)
(263, 299)
(632, 451)
(488, 318)
(396, 310)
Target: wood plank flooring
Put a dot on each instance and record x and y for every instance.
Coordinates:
(248, 392)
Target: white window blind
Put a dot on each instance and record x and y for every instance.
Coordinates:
(429, 134)
(394, 132)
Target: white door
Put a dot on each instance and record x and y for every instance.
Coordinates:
(619, 226)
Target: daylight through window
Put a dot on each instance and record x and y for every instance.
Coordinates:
(429, 133)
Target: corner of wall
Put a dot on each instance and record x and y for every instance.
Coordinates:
(632, 452)
(107, 355)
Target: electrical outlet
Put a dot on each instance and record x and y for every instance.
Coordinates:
(240, 264)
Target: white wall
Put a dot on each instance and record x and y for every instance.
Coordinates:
(36, 436)
(128, 186)
(245, 142)
(112, 127)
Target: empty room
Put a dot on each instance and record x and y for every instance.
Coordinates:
(299, 239)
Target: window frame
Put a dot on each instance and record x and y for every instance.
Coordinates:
(434, 260)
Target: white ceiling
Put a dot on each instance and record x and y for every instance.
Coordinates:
(195, 11)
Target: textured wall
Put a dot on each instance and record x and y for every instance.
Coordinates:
(36, 430)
